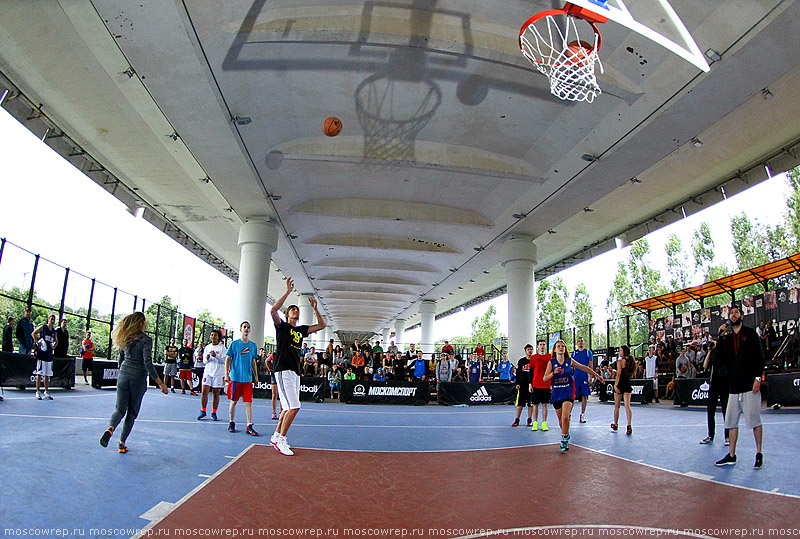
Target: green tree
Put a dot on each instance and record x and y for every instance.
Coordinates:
(205, 322)
(677, 263)
(485, 328)
(793, 210)
(551, 305)
(162, 321)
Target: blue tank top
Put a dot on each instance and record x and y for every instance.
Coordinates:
(583, 357)
(563, 385)
(474, 372)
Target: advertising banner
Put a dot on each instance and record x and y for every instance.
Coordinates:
(357, 392)
(312, 388)
(16, 370)
(783, 389)
(642, 391)
(691, 391)
(452, 393)
(188, 330)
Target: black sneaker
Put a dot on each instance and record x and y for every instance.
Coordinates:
(529, 422)
(707, 440)
(106, 437)
(727, 460)
(251, 431)
(759, 461)
(231, 427)
(515, 423)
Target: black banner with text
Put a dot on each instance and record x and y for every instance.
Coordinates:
(312, 388)
(691, 391)
(642, 391)
(467, 393)
(783, 389)
(356, 392)
(16, 370)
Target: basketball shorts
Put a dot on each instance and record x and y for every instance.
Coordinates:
(523, 396)
(240, 389)
(43, 368)
(87, 364)
(288, 383)
(582, 389)
(170, 369)
(747, 404)
(213, 381)
(540, 395)
(558, 404)
(185, 374)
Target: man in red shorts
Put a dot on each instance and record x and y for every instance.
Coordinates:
(240, 371)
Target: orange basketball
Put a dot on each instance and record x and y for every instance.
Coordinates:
(578, 51)
(332, 126)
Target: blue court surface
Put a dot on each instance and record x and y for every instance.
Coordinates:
(58, 477)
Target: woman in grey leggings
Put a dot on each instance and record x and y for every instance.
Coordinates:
(135, 359)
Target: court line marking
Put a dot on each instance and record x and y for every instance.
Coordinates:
(203, 475)
(761, 491)
(696, 475)
(144, 531)
(422, 450)
(650, 531)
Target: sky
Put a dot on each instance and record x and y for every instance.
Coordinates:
(50, 208)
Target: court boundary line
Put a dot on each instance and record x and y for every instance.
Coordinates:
(684, 474)
(588, 526)
(144, 531)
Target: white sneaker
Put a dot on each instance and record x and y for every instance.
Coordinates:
(47, 396)
(582, 419)
(283, 447)
(274, 438)
(38, 395)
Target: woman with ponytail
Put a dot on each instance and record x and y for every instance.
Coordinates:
(135, 362)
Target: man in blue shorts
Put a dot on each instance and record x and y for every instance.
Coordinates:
(582, 388)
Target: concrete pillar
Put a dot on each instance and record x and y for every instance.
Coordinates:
(257, 241)
(427, 312)
(387, 334)
(399, 327)
(307, 318)
(519, 259)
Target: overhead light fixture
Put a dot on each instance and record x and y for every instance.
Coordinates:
(724, 195)
(518, 216)
(551, 231)
(589, 157)
(635, 180)
(3, 97)
(472, 280)
(713, 55)
(173, 136)
(485, 272)
(242, 120)
(696, 142)
(683, 212)
(769, 172)
(587, 209)
(765, 93)
(205, 180)
(453, 270)
(292, 237)
(477, 249)
(275, 197)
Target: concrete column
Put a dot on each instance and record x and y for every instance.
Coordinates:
(519, 259)
(427, 312)
(307, 318)
(399, 327)
(387, 334)
(257, 241)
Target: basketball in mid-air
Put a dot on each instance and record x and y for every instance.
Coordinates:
(577, 52)
(332, 126)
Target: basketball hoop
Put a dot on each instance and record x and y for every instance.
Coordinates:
(566, 56)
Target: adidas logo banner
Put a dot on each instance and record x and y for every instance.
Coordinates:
(481, 395)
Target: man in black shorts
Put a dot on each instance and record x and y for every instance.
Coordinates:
(523, 385)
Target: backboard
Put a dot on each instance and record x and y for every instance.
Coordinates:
(655, 20)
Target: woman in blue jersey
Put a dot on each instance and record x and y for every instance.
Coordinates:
(561, 369)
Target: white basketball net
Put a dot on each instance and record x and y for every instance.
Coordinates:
(571, 75)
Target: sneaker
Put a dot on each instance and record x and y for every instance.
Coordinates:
(274, 416)
(759, 461)
(563, 445)
(283, 447)
(614, 427)
(629, 431)
(274, 438)
(193, 393)
(727, 441)
(201, 415)
(48, 396)
(582, 418)
(86, 382)
(106, 437)
(514, 424)
(172, 389)
(183, 392)
(122, 448)
(38, 395)
(544, 425)
(535, 425)
(727, 460)
(707, 440)
(251, 431)
(214, 416)
(529, 421)
(231, 427)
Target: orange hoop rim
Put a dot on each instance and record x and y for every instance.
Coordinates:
(563, 11)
